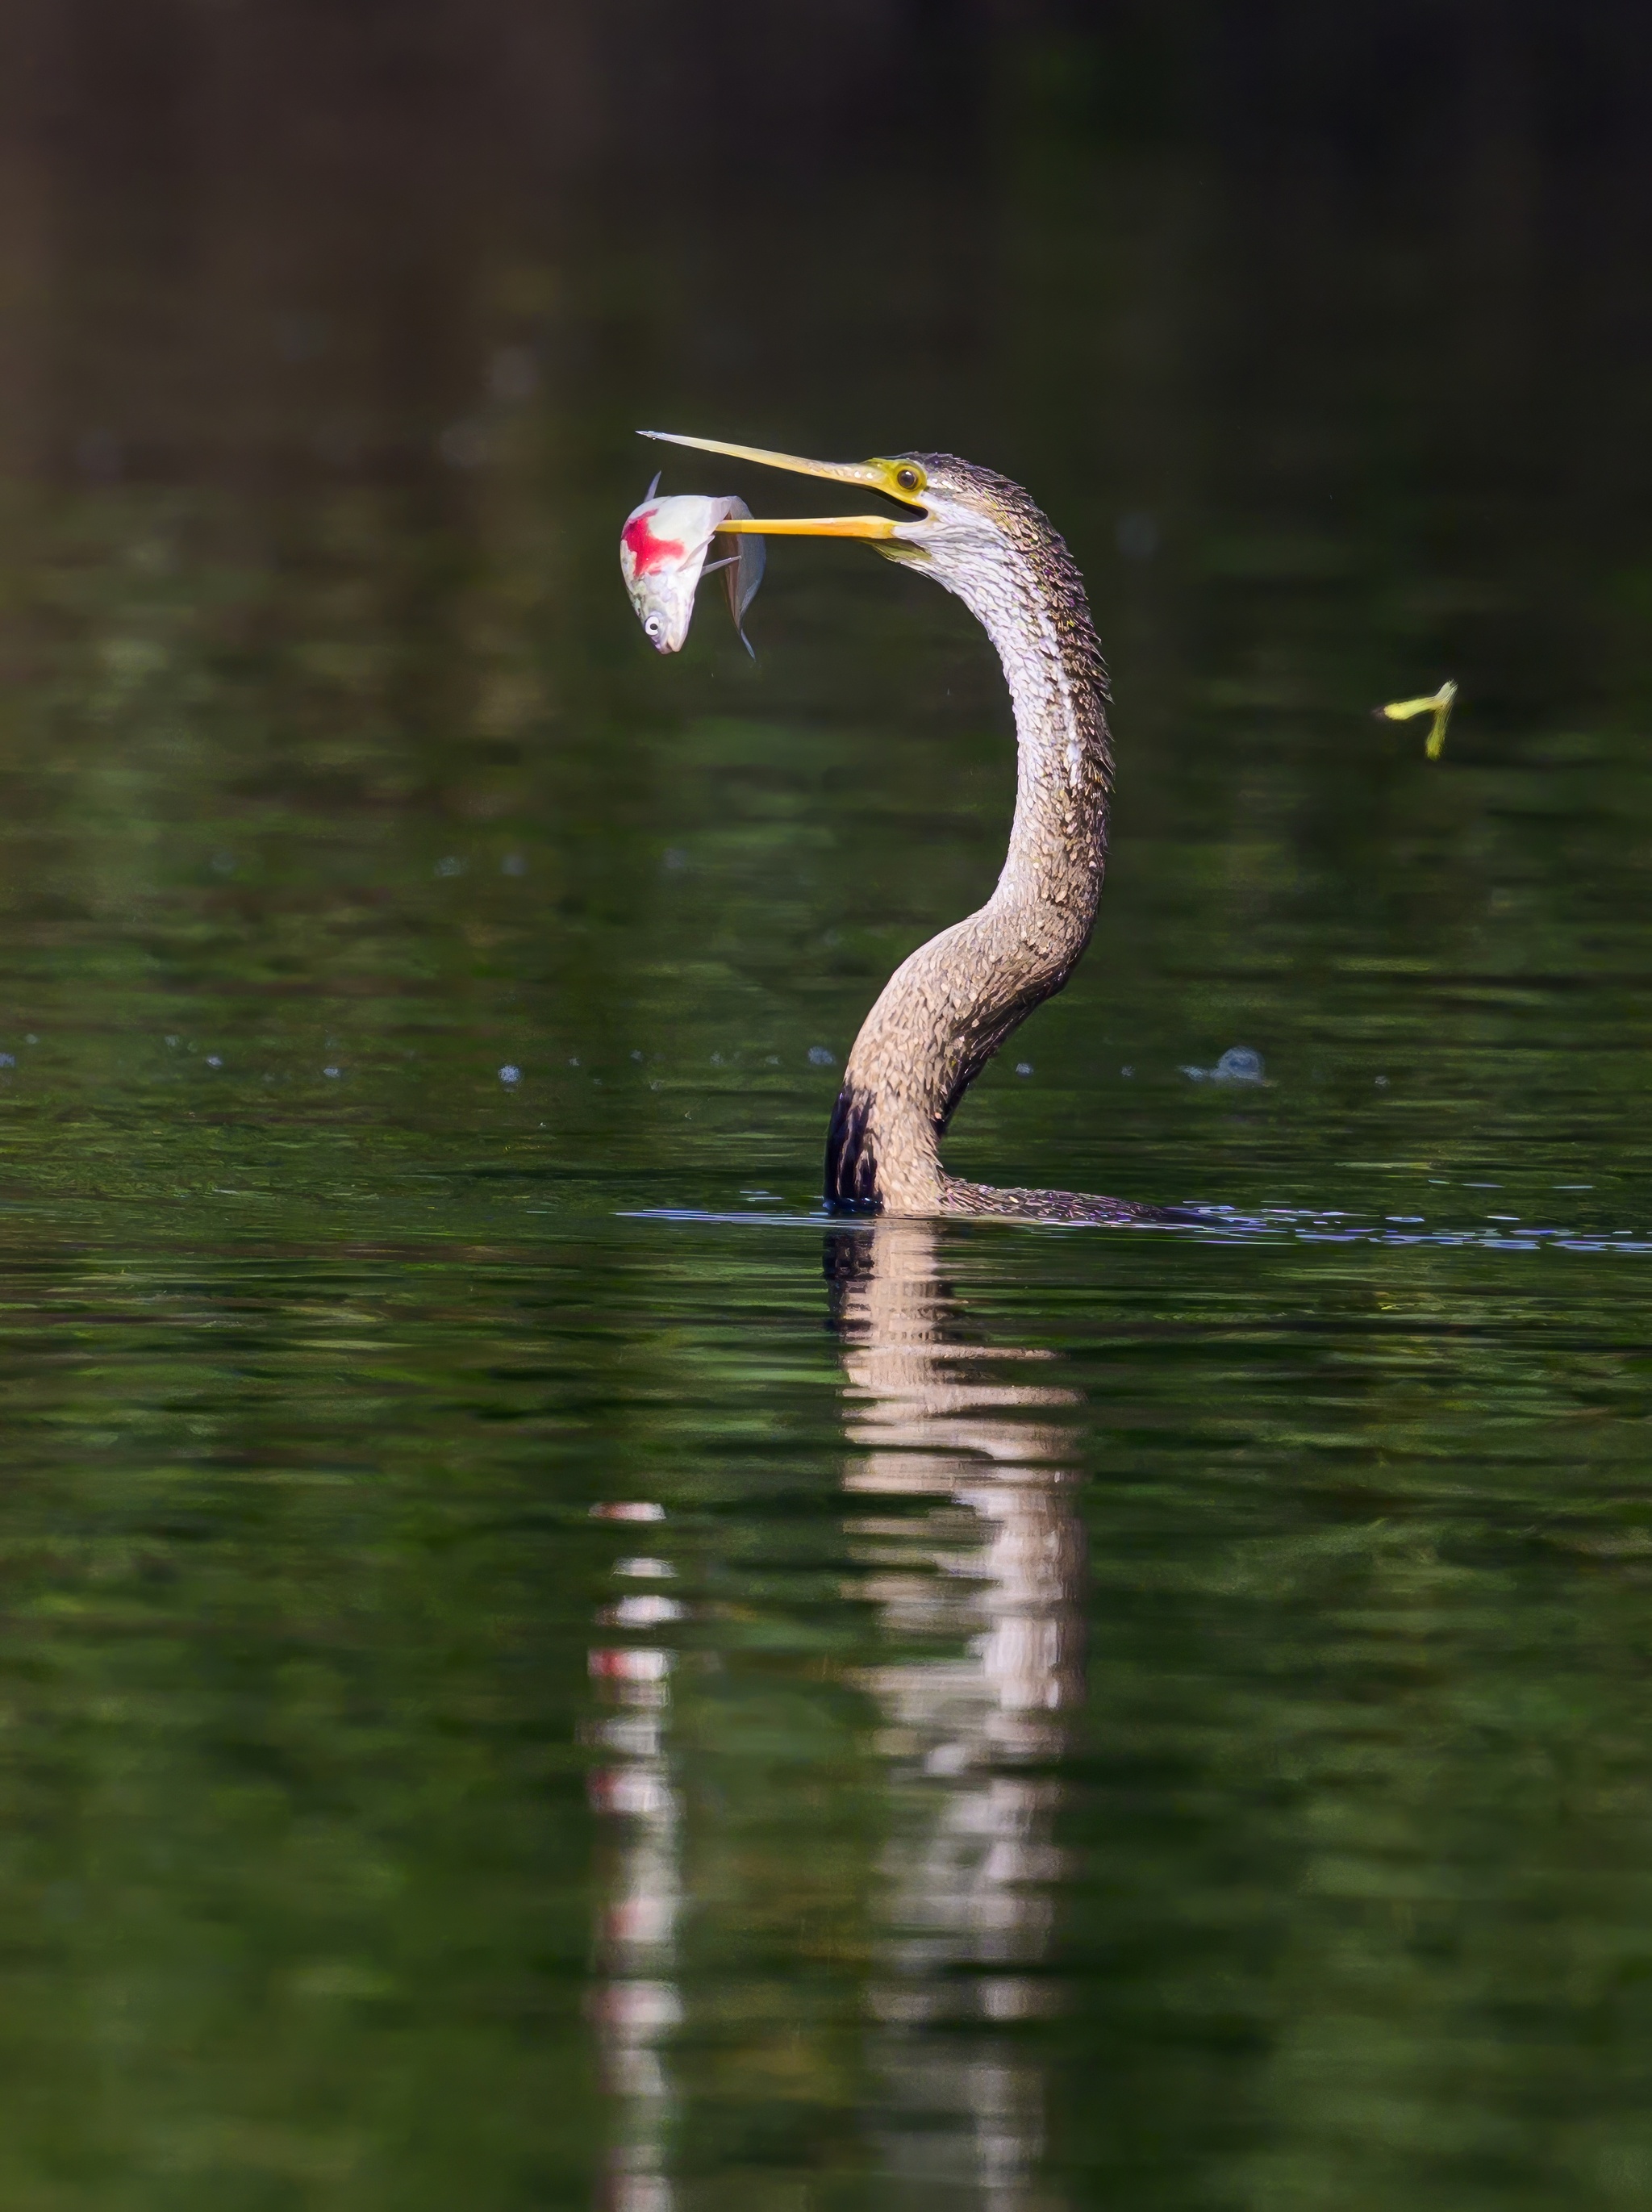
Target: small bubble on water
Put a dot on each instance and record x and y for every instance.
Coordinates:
(31, 1038)
(1023, 1067)
(1126, 1071)
(6, 1059)
(450, 865)
(332, 1071)
(213, 1061)
(819, 1057)
(174, 1043)
(509, 1074)
(1380, 1082)
(636, 1055)
(1238, 1065)
(572, 1059)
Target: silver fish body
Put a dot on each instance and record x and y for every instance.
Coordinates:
(662, 549)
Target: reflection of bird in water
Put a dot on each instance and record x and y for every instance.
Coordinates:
(961, 1485)
(948, 1008)
(994, 1567)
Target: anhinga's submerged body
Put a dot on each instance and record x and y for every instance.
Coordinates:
(948, 1008)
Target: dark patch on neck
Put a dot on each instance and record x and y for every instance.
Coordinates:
(851, 1167)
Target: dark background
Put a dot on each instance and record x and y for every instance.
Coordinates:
(219, 213)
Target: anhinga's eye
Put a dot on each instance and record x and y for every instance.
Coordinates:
(908, 478)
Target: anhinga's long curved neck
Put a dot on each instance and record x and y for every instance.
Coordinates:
(950, 1006)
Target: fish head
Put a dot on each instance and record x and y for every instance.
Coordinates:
(662, 550)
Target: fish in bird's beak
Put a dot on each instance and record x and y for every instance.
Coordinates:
(900, 479)
(662, 549)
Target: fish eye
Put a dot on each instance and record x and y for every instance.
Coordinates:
(653, 626)
(911, 478)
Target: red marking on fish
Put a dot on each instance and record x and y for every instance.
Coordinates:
(647, 551)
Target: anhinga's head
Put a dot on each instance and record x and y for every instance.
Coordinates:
(960, 522)
(981, 537)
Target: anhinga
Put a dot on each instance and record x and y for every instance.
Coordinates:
(948, 1008)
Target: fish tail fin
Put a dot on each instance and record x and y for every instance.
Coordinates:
(742, 581)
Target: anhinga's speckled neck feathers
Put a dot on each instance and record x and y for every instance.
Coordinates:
(950, 1006)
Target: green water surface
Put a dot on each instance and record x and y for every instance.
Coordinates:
(1094, 1718)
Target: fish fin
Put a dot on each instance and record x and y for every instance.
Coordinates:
(745, 573)
(653, 487)
(753, 558)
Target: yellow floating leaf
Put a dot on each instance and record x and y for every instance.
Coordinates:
(1402, 710)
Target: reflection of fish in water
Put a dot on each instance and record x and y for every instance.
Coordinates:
(1402, 710)
(662, 550)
